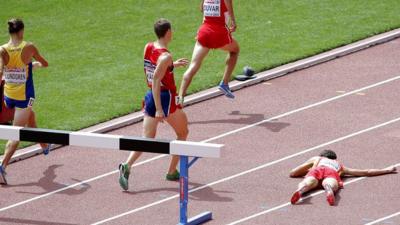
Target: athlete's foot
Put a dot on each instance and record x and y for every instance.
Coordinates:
(124, 176)
(295, 197)
(47, 149)
(226, 90)
(3, 175)
(330, 197)
(173, 176)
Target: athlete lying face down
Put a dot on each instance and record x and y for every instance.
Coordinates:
(327, 171)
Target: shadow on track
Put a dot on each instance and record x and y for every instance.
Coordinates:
(48, 184)
(33, 222)
(246, 119)
(207, 194)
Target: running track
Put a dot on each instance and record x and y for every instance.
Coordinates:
(350, 105)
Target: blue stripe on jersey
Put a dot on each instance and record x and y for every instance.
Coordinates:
(29, 87)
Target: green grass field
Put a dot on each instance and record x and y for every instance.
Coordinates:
(95, 47)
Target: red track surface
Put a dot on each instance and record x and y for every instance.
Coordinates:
(241, 196)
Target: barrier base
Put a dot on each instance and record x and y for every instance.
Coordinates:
(184, 193)
(199, 219)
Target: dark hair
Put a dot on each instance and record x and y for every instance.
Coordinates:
(161, 27)
(328, 154)
(15, 26)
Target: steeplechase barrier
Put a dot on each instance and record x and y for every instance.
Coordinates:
(184, 149)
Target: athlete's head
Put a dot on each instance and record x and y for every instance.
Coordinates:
(162, 28)
(16, 27)
(327, 153)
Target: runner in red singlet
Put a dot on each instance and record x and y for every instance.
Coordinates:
(327, 171)
(215, 33)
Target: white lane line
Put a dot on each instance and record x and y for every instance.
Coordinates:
(304, 108)
(383, 218)
(288, 203)
(210, 139)
(252, 170)
(73, 185)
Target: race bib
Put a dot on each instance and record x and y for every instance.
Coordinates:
(15, 76)
(30, 103)
(212, 8)
(149, 69)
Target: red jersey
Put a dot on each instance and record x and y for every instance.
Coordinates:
(326, 168)
(215, 12)
(330, 163)
(150, 63)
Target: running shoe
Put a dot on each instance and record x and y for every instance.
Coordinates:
(226, 90)
(46, 150)
(173, 177)
(330, 198)
(2, 175)
(295, 197)
(124, 176)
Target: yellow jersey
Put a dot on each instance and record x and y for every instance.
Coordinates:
(17, 75)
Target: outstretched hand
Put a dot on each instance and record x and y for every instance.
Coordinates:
(160, 116)
(36, 65)
(181, 62)
(392, 169)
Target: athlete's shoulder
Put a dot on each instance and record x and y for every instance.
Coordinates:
(3, 50)
(29, 45)
(165, 56)
(315, 158)
(148, 45)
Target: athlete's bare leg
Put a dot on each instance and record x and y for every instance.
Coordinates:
(199, 53)
(178, 121)
(231, 60)
(306, 185)
(330, 186)
(149, 131)
(21, 118)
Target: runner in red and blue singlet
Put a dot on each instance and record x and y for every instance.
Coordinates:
(159, 102)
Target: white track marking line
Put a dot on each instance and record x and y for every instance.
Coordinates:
(208, 140)
(288, 203)
(304, 108)
(73, 185)
(252, 170)
(383, 218)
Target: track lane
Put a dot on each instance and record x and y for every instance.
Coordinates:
(288, 96)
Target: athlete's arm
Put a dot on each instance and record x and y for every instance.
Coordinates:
(229, 6)
(201, 5)
(1, 63)
(303, 168)
(38, 57)
(368, 172)
(164, 61)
